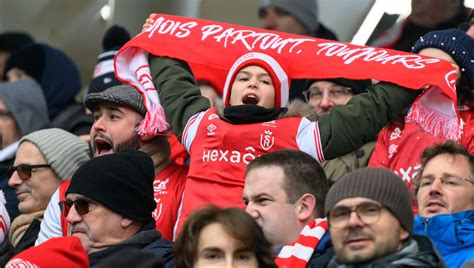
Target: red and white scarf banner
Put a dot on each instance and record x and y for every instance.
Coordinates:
(210, 48)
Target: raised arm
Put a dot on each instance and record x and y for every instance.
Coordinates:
(348, 127)
(179, 94)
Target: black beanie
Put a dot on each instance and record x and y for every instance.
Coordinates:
(378, 184)
(114, 38)
(122, 182)
(30, 59)
(12, 41)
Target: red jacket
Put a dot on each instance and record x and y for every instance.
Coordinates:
(399, 147)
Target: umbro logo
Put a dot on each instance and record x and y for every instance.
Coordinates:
(210, 130)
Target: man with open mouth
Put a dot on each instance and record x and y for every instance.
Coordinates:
(118, 111)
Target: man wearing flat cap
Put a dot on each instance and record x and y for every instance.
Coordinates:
(370, 221)
(118, 112)
(109, 206)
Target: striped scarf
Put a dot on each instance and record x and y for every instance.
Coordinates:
(298, 253)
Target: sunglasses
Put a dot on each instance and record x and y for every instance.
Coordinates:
(81, 204)
(25, 170)
(5, 113)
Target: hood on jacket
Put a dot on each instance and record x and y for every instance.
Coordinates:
(26, 102)
(56, 73)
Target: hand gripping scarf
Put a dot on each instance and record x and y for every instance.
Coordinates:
(211, 48)
(298, 253)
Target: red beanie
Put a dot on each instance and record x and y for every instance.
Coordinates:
(274, 69)
(61, 251)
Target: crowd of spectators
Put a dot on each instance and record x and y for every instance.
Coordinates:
(272, 170)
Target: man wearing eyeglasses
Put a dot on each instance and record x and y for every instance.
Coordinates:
(370, 220)
(323, 95)
(22, 110)
(445, 197)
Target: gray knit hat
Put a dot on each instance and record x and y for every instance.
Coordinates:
(64, 151)
(305, 11)
(378, 184)
(121, 94)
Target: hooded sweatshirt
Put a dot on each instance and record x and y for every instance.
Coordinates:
(26, 102)
(56, 73)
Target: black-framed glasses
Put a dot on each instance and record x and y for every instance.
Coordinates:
(367, 212)
(82, 206)
(25, 170)
(447, 181)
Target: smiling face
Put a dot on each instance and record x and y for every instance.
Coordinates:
(114, 129)
(357, 242)
(253, 85)
(33, 193)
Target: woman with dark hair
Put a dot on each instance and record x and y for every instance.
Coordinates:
(216, 237)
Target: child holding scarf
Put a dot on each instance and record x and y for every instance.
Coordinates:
(253, 122)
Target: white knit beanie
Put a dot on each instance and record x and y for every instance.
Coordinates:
(64, 151)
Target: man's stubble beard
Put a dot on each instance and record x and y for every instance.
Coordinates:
(132, 143)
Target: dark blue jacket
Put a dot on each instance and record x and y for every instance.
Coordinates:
(323, 254)
(147, 240)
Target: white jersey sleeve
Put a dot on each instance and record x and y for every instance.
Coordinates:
(190, 130)
(308, 139)
(51, 224)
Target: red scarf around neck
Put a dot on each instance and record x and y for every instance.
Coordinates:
(211, 48)
(298, 253)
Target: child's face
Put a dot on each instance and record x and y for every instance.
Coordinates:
(253, 85)
(440, 54)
